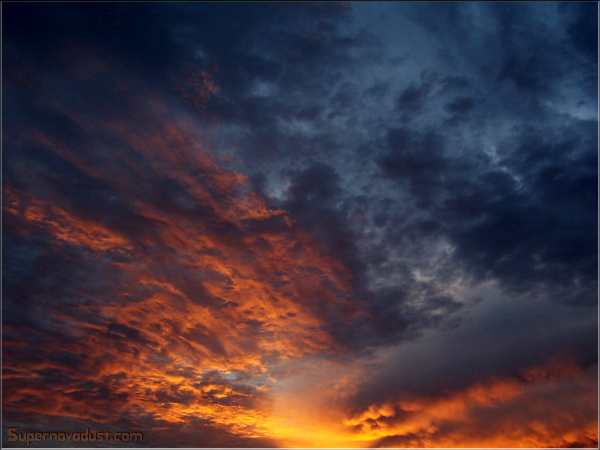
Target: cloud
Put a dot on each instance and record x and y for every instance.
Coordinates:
(500, 337)
(192, 276)
(511, 414)
(382, 215)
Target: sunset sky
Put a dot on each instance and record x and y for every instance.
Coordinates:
(301, 225)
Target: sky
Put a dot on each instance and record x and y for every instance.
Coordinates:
(301, 224)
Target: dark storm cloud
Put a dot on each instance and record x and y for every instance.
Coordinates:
(413, 97)
(507, 213)
(523, 229)
(480, 351)
(250, 43)
(425, 388)
(313, 195)
(583, 32)
(520, 46)
(416, 158)
(125, 31)
(313, 198)
(460, 106)
(276, 65)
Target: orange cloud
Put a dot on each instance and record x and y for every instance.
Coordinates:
(193, 300)
(549, 406)
(191, 308)
(198, 88)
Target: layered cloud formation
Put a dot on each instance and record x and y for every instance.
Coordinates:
(281, 225)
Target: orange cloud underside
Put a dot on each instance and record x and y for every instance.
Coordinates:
(260, 279)
(214, 297)
(550, 406)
